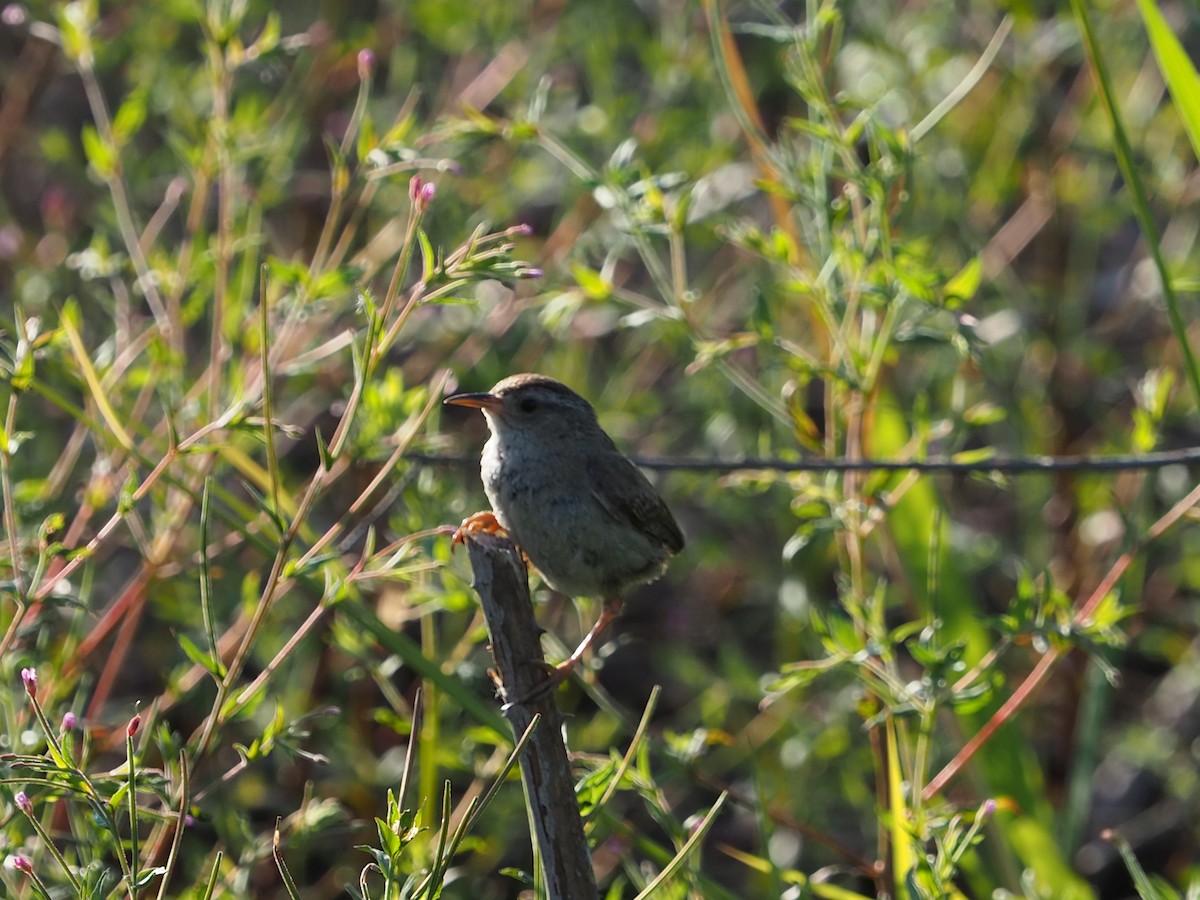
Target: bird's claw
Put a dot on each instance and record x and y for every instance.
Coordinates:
(555, 675)
(558, 674)
(477, 523)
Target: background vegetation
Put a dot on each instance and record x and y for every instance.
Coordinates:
(246, 248)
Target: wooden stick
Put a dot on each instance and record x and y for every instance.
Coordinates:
(503, 588)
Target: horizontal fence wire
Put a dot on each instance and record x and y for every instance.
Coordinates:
(1013, 465)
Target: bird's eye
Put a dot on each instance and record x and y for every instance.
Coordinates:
(528, 405)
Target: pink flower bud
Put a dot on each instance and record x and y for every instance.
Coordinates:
(421, 193)
(21, 864)
(366, 63)
(69, 721)
(134, 726)
(29, 676)
(24, 804)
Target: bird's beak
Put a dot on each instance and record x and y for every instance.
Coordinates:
(476, 401)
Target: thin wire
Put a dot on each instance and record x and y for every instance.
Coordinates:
(1009, 465)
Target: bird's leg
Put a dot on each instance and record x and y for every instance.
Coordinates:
(610, 610)
(477, 523)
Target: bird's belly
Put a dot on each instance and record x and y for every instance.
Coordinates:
(573, 542)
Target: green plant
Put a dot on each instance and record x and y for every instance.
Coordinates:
(233, 287)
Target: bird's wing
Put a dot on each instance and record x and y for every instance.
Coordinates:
(629, 497)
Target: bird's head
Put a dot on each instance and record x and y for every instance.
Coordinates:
(534, 405)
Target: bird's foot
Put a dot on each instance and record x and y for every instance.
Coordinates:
(555, 675)
(558, 674)
(477, 523)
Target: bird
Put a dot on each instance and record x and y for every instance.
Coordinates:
(580, 510)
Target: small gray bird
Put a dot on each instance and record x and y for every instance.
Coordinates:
(584, 515)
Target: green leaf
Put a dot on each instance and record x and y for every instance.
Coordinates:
(323, 451)
(984, 414)
(125, 500)
(101, 155)
(368, 138)
(22, 373)
(334, 282)
(200, 657)
(1177, 70)
(428, 257)
(1148, 888)
(266, 506)
(130, 116)
(145, 876)
(268, 38)
(970, 457)
(75, 21)
(519, 875)
(287, 272)
(594, 285)
(965, 284)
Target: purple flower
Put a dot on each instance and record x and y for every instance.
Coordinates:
(24, 804)
(14, 14)
(366, 63)
(29, 676)
(21, 864)
(69, 721)
(421, 193)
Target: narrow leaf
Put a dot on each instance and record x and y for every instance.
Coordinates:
(1177, 70)
(88, 371)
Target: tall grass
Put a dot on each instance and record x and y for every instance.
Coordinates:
(239, 656)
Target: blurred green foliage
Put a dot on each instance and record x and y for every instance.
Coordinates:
(743, 231)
